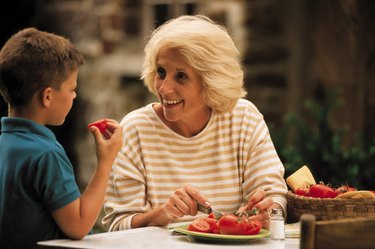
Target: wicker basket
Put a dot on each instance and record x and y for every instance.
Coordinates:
(328, 209)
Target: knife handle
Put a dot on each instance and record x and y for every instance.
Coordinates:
(203, 209)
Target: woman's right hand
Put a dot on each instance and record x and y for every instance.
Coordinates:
(184, 202)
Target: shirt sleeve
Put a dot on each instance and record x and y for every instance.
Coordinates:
(126, 190)
(263, 168)
(55, 180)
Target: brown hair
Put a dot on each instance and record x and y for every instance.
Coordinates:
(32, 60)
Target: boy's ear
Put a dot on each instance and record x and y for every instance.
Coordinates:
(46, 97)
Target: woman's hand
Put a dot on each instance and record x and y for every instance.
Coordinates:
(184, 202)
(260, 201)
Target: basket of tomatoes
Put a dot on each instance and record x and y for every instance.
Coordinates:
(326, 202)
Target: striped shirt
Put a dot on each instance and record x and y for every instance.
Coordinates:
(227, 161)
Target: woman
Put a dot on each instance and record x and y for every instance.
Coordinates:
(202, 143)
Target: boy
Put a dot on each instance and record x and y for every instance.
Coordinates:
(39, 198)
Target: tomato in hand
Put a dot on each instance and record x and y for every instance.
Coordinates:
(101, 125)
(302, 191)
(236, 225)
(322, 191)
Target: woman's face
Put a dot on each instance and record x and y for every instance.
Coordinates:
(179, 88)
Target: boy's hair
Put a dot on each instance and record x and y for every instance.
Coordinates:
(32, 60)
(209, 49)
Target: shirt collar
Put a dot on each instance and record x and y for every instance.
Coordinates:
(16, 124)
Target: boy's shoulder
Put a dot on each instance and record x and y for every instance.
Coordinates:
(21, 132)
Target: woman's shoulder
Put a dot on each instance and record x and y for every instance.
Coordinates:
(141, 115)
(246, 107)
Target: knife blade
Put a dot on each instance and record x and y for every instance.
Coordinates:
(217, 214)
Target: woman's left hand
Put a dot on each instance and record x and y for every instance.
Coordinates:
(263, 204)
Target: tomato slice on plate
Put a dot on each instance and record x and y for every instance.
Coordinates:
(235, 225)
(101, 125)
(211, 215)
(214, 228)
(252, 227)
(199, 225)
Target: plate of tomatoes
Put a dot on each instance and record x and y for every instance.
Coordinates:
(229, 228)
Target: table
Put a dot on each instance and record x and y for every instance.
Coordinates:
(159, 238)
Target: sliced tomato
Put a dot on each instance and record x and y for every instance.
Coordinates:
(101, 125)
(252, 227)
(322, 191)
(199, 225)
(211, 215)
(214, 228)
(235, 225)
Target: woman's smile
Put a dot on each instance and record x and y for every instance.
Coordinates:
(171, 102)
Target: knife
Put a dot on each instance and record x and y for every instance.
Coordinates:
(217, 214)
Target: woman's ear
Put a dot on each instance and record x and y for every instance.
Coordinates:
(46, 97)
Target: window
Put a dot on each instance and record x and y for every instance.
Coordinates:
(156, 12)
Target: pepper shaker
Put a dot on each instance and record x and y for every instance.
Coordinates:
(277, 224)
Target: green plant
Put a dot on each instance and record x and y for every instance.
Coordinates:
(313, 141)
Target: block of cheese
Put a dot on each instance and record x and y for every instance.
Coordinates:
(301, 178)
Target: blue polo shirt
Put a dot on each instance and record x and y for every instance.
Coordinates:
(36, 178)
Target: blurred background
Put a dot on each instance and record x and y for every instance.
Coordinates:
(309, 67)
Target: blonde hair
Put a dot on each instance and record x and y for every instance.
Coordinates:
(209, 49)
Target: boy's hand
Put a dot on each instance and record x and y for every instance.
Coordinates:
(108, 141)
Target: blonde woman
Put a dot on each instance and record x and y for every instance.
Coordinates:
(202, 143)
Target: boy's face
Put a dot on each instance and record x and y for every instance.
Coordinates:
(62, 100)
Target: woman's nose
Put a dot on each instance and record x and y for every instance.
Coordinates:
(166, 86)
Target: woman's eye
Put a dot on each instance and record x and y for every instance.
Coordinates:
(181, 76)
(161, 72)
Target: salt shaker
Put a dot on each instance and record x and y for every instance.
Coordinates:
(277, 225)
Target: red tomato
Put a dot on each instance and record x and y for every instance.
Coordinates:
(199, 225)
(211, 215)
(302, 191)
(252, 227)
(343, 189)
(214, 228)
(102, 125)
(235, 225)
(204, 225)
(322, 191)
